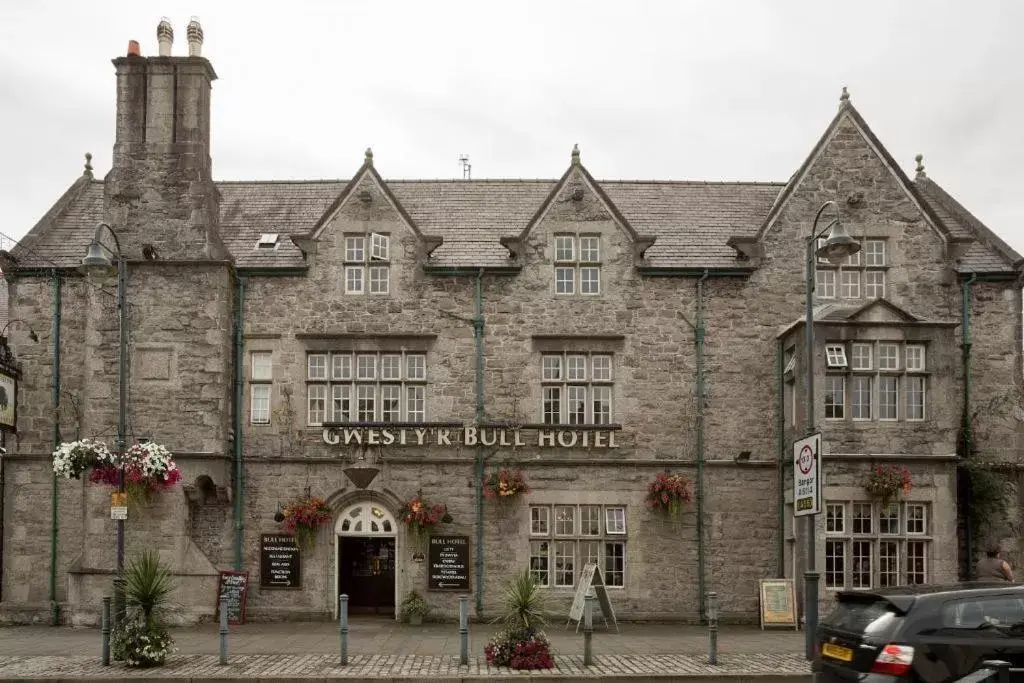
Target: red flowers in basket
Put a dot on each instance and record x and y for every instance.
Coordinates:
(505, 484)
(668, 493)
(887, 483)
(419, 514)
(303, 518)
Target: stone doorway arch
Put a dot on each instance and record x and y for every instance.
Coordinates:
(366, 566)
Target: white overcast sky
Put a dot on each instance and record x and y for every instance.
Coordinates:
(713, 90)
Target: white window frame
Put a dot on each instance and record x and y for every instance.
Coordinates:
(917, 353)
(861, 356)
(835, 356)
(869, 536)
(573, 376)
(262, 366)
(868, 248)
(874, 284)
(259, 394)
(887, 362)
(857, 396)
(883, 404)
(367, 264)
(573, 255)
(825, 283)
(558, 553)
(357, 383)
(829, 391)
(849, 284)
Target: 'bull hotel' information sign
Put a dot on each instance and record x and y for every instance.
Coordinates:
(448, 563)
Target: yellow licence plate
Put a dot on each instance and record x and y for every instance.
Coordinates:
(843, 654)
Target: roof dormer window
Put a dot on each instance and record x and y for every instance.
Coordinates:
(268, 240)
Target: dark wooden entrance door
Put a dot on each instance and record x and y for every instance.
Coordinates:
(366, 573)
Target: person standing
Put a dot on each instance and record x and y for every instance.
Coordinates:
(994, 567)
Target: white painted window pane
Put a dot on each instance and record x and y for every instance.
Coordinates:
(861, 398)
(354, 249)
(917, 562)
(552, 368)
(835, 518)
(851, 284)
(316, 364)
(874, 252)
(416, 405)
(590, 553)
(601, 398)
(552, 405)
(862, 561)
(915, 397)
(835, 397)
(888, 356)
(590, 280)
(614, 564)
(874, 284)
(391, 366)
(366, 367)
(889, 519)
(353, 279)
(260, 404)
(341, 366)
(835, 356)
(341, 402)
(564, 280)
(539, 520)
(262, 366)
(888, 398)
(825, 284)
(576, 400)
(565, 520)
(379, 279)
(590, 520)
(835, 564)
(565, 563)
(365, 403)
(379, 247)
(853, 259)
(602, 368)
(576, 368)
(888, 564)
(615, 520)
(564, 250)
(316, 403)
(390, 402)
(861, 356)
(916, 519)
(590, 249)
(416, 366)
(862, 519)
(539, 551)
(915, 358)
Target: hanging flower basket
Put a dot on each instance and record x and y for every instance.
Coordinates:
(73, 458)
(505, 484)
(148, 468)
(885, 484)
(303, 518)
(668, 493)
(419, 514)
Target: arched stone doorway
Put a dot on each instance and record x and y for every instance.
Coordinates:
(366, 535)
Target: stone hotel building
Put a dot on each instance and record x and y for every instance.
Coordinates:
(368, 340)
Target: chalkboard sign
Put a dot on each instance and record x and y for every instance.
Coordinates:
(448, 559)
(234, 586)
(279, 562)
(778, 603)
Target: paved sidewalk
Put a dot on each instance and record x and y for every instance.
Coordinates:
(383, 650)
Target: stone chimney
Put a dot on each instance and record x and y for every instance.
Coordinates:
(162, 152)
(195, 38)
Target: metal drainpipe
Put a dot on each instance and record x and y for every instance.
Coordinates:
(699, 331)
(54, 500)
(780, 418)
(966, 347)
(239, 524)
(478, 336)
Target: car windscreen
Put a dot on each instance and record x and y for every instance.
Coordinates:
(871, 617)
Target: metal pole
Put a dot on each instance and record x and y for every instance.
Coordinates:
(588, 627)
(463, 630)
(122, 402)
(105, 631)
(811, 575)
(223, 630)
(712, 602)
(343, 627)
(1001, 668)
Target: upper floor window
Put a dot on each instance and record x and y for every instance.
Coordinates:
(367, 263)
(860, 275)
(577, 388)
(260, 376)
(366, 387)
(885, 381)
(577, 264)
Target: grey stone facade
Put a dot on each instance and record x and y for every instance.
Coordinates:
(700, 284)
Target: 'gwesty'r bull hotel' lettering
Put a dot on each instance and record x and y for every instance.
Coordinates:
(469, 436)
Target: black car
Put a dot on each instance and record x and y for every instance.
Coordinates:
(932, 634)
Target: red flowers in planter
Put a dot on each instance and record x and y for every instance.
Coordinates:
(303, 518)
(505, 484)
(887, 483)
(668, 493)
(419, 514)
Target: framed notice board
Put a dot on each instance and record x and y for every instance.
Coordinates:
(778, 603)
(235, 587)
(280, 562)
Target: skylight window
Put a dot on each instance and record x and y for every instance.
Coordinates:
(268, 240)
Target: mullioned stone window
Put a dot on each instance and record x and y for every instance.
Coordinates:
(883, 381)
(576, 388)
(578, 264)
(859, 276)
(367, 264)
(566, 538)
(260, 376)
(874, 545)
(362, 386)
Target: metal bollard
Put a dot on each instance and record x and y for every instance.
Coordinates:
(464, 630)
(343, 627)
(712, 613)
(105, 631)
(1001, 668)
(223, 631)
(588, 627)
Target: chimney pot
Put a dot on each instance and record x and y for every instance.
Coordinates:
(165, 37)
(194, 33)
(133, 49)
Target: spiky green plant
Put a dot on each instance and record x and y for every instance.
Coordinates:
(525, 603)
(147, 586)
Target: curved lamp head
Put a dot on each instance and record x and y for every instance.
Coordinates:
(96, 259)
(839, 244)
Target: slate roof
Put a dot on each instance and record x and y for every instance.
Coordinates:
(691, 220)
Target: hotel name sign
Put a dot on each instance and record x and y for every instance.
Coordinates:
(470, 436)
